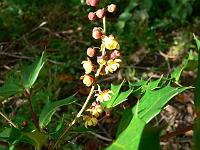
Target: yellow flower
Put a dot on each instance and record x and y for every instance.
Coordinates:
(88, 66)
(87, 80)
(90, 121)
(95, 109)
(103, 95)
(101, 60)
(110, 42)
(112, 65)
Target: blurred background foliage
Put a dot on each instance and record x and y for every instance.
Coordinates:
(155, 36)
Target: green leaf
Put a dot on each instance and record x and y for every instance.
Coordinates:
(50, 108)
(35, 138)
(153, 101)
(130, 137)
(117, 96)
(121, 97)
(153, 84)
(150, 139)
(177, 73)
(10, 87)
(14, 136)
(126, 15)
(5, 134)
(31, 72)
(124, 122)
(197, 42)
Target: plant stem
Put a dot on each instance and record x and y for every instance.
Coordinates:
(196, 137)
(8, 120)
(33, 115)
(82, 109)
(89, 96)
(104, 24)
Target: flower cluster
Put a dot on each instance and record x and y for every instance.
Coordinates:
(107, 61)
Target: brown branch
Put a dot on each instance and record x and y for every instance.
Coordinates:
(33, 115)
(175, 133)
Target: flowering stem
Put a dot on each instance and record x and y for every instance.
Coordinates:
(82, 109)
(8, 120)
(104, 24)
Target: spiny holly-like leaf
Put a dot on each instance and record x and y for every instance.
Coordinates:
(51, 107)
(153, 101)
(31, 73)
(130, 137)
(117, 96)
(121, 97)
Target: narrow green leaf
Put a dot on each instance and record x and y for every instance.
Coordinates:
(10, 87)
(130, 137)
(50, 108)
(31, 73)
(197, 42)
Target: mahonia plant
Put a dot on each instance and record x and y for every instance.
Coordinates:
(107, 60)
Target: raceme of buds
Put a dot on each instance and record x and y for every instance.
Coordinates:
(107, 62)
(88, 66)
(91, 16)
(111, 8)
(87, 80)
(96, 33)
(100, 13)
(93, 3)
(91, 52)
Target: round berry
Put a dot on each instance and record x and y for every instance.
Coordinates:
(24, 124)
(100, 13)
(112, 8)
(91, 16)
(96, 33)
(91, 52)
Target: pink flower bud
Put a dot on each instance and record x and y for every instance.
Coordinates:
(96, 33)
(91, 52)
(100, 13)
(93, 3)
(115, 54)
(112, 8)
(88, 2)
(87, 80)
(91, 16)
